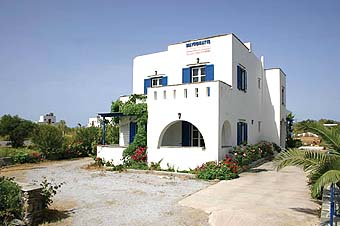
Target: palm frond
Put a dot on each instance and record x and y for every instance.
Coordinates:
(307, 160)
(331, 136)
(331, 176)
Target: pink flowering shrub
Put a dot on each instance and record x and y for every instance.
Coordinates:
(140, 155)
(246, 154)
(223, 170)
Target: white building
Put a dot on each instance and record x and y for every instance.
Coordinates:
(49, 118)
(97, 121)
(205, 96)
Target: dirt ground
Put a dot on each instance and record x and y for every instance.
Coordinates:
(97, 197)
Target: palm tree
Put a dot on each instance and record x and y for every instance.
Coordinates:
(323, 167)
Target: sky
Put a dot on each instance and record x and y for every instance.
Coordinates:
(74, 58)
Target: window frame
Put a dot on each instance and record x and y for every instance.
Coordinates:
(158, 82)
(242, 78)
(199, 138)
(199, 74)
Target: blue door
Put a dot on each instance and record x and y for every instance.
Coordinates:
(133, 131)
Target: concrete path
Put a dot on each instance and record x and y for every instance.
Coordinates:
(260, 197)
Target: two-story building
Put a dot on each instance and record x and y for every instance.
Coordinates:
(205, 96)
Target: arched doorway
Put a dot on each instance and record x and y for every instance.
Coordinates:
(181, 134)
(226, 135)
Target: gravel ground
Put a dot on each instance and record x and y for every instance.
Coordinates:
(94, 197)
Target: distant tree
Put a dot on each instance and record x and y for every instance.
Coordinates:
(16, 128)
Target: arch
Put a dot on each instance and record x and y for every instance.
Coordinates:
(181, 133)
(226, 134)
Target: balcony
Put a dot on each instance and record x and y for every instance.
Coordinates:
(192, 92)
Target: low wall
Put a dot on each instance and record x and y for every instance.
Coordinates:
(32, 203)
(113, 154)
(181, 158)
(5, 161)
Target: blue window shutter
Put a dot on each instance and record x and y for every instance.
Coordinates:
(164, 80)
(239, 84)
(186, 75)
(147, 84)
(209, 70)
(133, 131)
(246, 132)
(239, 133)
(245, 80)
(186, 134)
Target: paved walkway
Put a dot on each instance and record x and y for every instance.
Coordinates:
(260, 197)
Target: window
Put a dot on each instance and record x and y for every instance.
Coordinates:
(208, 91)
(242, 133)
(156, 82)
(196, 137)
(283, 96)
(174, 94)
(198, 74)
(164, 94)
(241, 78)
(155, 95)
(196, 92)
(185, 93)
(259, 126)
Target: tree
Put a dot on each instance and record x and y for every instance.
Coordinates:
(290, 141)
(49, 140)
(323, 168)
(16, 128)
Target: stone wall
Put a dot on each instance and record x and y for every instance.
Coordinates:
(32, 203)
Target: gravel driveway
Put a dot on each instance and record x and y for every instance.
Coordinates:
(94, 197)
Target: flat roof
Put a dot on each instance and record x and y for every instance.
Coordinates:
(214, 36)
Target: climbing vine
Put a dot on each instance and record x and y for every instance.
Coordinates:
(134, 107)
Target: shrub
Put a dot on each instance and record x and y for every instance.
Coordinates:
(86, 140)
(27, 157)
(49, 190)
(223, 170)
(49, 140)
(10, 200)
(246, 154)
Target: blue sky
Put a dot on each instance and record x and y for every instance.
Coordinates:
(74, 57)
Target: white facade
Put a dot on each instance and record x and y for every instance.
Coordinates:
(205, 96)
(96, 121)
(49, 118)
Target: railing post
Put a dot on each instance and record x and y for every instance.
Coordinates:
(331, 212)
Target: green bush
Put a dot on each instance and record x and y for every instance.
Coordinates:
(10, 200)
(86, 140)
(223, 170)
(27, 157)
(49, 140)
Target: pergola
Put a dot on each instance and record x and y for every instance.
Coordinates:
(105, 115)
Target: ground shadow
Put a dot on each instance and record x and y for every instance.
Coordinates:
(256, 170)
(53, 215)
(315, 212)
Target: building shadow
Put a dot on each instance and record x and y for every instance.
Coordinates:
(54, 215)
(314, 212)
